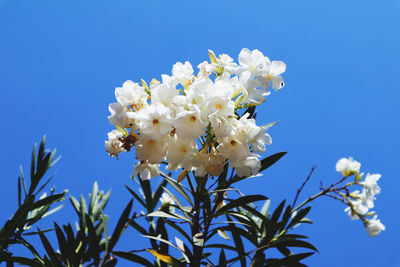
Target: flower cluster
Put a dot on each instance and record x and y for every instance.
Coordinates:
(196, 123)
(359, 203)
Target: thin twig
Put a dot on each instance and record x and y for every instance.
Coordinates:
(302, 186)
(323, 192)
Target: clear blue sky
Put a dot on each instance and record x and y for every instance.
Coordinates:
(61, 60)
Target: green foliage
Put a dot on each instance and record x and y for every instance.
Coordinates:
(31, 206)
(89, 243)
(218, 225)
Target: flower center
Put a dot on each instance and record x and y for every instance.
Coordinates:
(218, 106)
(155, 121)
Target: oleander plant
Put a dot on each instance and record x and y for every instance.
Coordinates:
(198, 133)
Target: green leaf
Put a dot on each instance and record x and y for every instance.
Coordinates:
(93, 197)
(157, 194)
(180, 230)
(177, 187)
(139, 199)
(278, 211)
(168, 215)
(82, 213)
(139, 228)
(221, 246)
(292, 260)
(166, 242)
(269, 161)
(222, 259)
(240, 202)
(238, 242)
(48, 200)
(18, 219)
(121, 225)
(98, 209)
(49, 249)
(286, 217)
(293, 243)
(62, 242)
(299, 217)
(264, 210)
(133, 258)
(25, 261)
(146, 187)
(93, 241)
(223, 234)
(166, 258)
(187, 215)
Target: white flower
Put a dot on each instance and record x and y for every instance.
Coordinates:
(374, 226)
(248, 86)
(370, 184)
(163, 92)
(183, 73)
(224, 86)
(214, 164)
(189, 125)
(251, 60)
(348, 166)
(179, 150)
(150, 149)
(166, 199)
(154, 120)
(221, 126)
(113, 144)
(272, 73)
(120, 116)
(223, 61)
(367, 199)
(257, 136)
(248, 166)
(145, 170)
(357, 207)
(131, 94)
(234, 147)
(219, 106)
(205, 69)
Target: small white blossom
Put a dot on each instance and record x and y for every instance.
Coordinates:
(150, 149)
(166, 199)
(189, 125)
(154, 120)
(163, 92)
(205, 69)
(120, 116)
(374, 226)
(357, 208)
(348, 166)
(251, 60)
(370, 184)
(131, 94)
(113, 144)
(179, 150)
(248, 166)
(183, 73)
(145, 170)
(234, 147)
(272, 73)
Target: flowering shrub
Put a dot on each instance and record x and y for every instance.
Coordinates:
(195, 122)
(203, 127)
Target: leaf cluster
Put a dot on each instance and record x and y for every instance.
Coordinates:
(32, 205)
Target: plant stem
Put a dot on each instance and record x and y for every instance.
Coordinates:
(323, 192)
